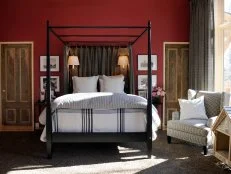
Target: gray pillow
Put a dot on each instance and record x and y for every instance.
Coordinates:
(212, 102)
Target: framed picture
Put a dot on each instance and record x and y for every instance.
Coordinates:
(55, 84)
(142, 93)
(54, 63)
(143, 62)
(143, 81)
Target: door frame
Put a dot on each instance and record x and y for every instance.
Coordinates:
(32, 79)
(164, 44)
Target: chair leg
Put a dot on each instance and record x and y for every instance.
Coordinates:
(205, 149)
(169, 139)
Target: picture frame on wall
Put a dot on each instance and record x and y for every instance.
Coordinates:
(55, 83)
(143, 81)
(143, 62)
(54, 63)
(143, 93)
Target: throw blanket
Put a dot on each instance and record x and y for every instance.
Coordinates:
(99, 100)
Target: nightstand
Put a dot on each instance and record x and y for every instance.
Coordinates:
(159, 107)
(41, 105)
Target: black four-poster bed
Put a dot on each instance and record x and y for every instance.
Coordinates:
(57, 137)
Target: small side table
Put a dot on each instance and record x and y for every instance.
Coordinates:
(41, 105)
(159, 107)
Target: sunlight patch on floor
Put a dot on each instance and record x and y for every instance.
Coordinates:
(183, 158)
(127, 150)
(31, 167)
(111, 167)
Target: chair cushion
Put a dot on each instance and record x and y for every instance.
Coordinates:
(212, 101)
(192, 126)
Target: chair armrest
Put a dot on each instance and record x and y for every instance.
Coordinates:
(176, 115)
(211, 121)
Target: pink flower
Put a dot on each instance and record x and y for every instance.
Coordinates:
(158, 92)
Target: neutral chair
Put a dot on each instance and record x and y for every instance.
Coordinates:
(198, 131)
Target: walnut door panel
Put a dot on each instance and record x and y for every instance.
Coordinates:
(16, 84)
(176, 77)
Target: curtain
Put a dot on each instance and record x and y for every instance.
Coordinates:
(201, 48)
(98, 60)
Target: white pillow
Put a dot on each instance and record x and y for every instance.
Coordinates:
(121, 77)
(191, 94)
(85, 84)
(112, 84)
(192, 108)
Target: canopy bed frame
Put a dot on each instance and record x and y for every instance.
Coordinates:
(58, 137)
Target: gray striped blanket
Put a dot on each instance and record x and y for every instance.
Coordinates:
(99, 100)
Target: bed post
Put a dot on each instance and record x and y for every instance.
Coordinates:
(131, 72)
(149, 107)
(48, 102)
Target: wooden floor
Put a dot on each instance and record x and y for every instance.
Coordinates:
(16, 128)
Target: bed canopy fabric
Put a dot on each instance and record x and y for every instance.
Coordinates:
(98, 60)
(122, 36)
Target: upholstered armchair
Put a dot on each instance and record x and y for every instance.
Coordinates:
(195, 126)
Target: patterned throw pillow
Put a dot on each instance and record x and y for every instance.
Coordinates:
(212, 102)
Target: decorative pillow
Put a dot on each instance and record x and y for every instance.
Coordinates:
(191, 94)
(120, 76)
(85, 84)
(192, 108)
(112, 84)
(212, 102)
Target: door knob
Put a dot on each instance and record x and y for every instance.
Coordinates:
(3, 90)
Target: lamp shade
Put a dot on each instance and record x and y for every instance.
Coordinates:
(73, 60)
(123, 61)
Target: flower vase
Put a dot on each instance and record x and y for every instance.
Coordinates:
(156, 100)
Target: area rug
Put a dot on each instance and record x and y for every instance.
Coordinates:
(23, 153)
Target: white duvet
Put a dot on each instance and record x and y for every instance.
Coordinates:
(70, 119)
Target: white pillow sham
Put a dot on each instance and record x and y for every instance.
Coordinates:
(84, 84)
(112, 84)
(192, 109)
(192, 94)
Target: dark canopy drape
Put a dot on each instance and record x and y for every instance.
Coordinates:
(98, 60)
(201, 48)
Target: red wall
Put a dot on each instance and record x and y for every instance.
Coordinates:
(25, 20)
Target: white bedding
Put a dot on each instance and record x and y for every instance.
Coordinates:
(68, 117)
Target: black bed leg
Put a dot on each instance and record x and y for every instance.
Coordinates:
(169, 139)
(205, 149)
(149, 147)
(49, 150)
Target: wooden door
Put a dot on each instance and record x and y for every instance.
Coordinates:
(16, 87)
(176, 77)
